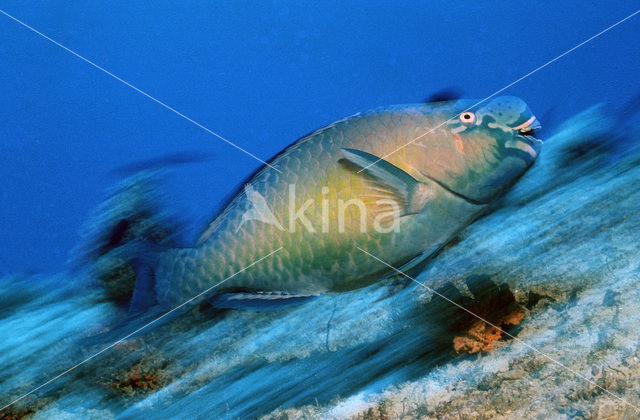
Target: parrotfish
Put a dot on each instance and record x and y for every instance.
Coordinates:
(398, 182)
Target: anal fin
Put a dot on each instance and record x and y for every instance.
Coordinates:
(259, 301)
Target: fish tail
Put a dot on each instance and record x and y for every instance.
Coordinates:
(124, 241)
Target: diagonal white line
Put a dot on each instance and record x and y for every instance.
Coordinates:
(506, 87)
(503, 331)
(137, 90)
(137, 331)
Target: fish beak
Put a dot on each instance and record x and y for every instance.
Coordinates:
(529, 128)
(528, 143)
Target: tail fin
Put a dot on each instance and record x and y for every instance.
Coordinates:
(121, 241)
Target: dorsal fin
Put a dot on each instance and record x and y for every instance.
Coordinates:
(444, 95)
(168, 160)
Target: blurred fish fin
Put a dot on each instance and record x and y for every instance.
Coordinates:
(144, 295)
(168, 160)
(416, 263)
(259, 301)
(444, 95)
(141, 257)
(391, 182)
(121, 243)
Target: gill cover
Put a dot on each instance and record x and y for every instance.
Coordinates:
(485, 149)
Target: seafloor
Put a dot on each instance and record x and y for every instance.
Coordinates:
(555, 264)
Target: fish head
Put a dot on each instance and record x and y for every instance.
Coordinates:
(484, 150)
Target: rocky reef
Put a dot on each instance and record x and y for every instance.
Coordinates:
(533, 311)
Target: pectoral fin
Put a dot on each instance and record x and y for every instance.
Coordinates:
(259, 301)
(392, 182)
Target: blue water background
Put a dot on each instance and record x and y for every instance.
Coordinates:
(261, 74)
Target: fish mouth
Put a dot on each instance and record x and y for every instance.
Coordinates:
(526, 138)
(529, 129)
(531, 133)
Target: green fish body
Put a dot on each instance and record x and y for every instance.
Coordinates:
(398, 182)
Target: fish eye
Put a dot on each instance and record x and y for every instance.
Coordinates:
(468, 117)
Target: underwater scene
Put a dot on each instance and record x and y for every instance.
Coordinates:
(320, 210)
